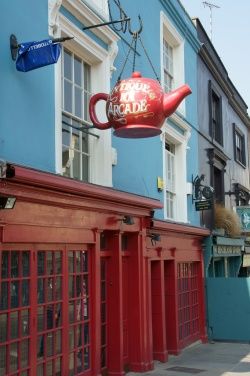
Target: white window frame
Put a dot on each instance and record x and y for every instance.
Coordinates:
(76, 119)
(181, 189)
(101, 62)
(169, 33)
(168, 70)
(170, 192)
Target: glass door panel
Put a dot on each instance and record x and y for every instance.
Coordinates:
(15, 285)
(79, 312)
(49, 313)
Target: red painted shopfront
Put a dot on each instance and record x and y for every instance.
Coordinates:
(84, 293)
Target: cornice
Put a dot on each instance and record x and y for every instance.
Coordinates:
(88, 17)
(182, 25)
(61, 190)
(179, 228)
(208, 60)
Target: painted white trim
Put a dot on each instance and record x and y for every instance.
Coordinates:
(53, 13)
(88, 17)
(175, 40)
(100, 6)
(101, 61)
(180, 141)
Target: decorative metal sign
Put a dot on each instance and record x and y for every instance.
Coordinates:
(203, 205)
(137, 107)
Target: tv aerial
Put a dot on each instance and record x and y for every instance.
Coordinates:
(210, 6)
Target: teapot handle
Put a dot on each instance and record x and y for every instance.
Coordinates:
(92, 113)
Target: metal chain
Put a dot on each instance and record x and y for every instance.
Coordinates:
(126, 59)
(150, 62)
(135, 36)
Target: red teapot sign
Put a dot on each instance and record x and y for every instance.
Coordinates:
(137, 107)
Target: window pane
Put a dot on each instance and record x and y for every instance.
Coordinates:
(13, 357)
(85, 168)
(3, 360)
(25, 264)
(40, 262)
(24, 323)
(3, 329)
(49, 257)
(76, 165)
(40, 290)
(4, 296)
(58, 260)
(5, 264)
(66, 132)
(86, 106)
(25, 293)
(67, 65)
(75, 143)
(14, 288)
(14, 264)
(78, 71)
(24, 352)
(13, 325)
(67, 96)
(78, 102)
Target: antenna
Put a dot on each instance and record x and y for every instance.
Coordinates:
(210, 6)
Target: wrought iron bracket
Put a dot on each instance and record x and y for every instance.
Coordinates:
(106, 23)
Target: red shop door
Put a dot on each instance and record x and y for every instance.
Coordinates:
(188, 302)
(45, 316)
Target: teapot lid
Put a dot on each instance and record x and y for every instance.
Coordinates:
(136, 75)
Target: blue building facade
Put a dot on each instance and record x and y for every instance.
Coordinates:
(172, 46)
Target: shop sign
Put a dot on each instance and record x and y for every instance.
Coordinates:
(244, 215)
(226, 250)
(137, 107)
(246, 261)
(203, 205)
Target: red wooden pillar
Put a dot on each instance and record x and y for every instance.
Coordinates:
(158, 311)
(33, 312)
(115, 308)
(140, 321)
(96, 296)
(171, 305)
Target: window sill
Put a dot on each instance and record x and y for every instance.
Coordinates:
(240, 163)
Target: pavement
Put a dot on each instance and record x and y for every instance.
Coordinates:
(211, 359)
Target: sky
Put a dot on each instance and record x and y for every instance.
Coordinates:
(230, 37)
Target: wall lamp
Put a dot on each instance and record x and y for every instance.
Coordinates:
(128, 220)
(7, 202)
(154, 238)
(6, 170)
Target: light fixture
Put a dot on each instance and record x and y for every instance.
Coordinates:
(154, 238)
(7, 202)
(128, 220)
(6, 170)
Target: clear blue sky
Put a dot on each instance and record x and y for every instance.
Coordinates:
(231, 37)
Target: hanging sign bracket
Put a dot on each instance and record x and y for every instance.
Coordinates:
(106, 23)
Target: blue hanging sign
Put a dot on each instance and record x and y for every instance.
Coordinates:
(33, 55)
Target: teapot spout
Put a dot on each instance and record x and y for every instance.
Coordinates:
(172, 100)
